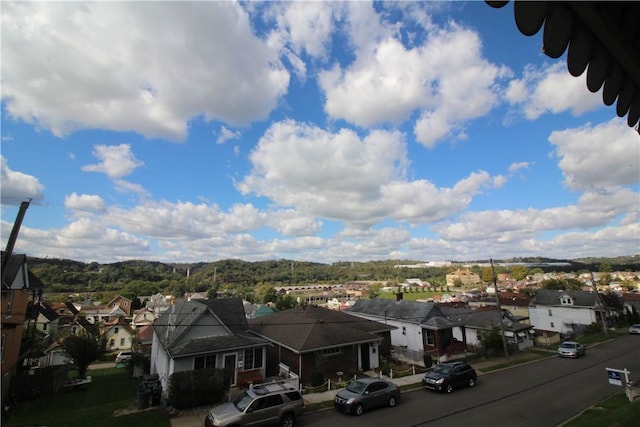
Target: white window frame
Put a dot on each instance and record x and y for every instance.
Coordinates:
(255, 363)
(430, 337)
(209, 359)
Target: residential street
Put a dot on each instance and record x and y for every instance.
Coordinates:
(544, 393)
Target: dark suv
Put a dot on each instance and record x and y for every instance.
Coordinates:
(449, 376)
(266, 404)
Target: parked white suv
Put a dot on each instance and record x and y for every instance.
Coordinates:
(266, 404)
(123, 356)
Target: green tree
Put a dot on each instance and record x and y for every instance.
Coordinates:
(562, 284)
(604, 267)
(82, 351)
(373, 290)
(285, 302)
(605, 279)
(487, 275)
(519, 272)
(265, 293)
(136, 304)
(491, 341)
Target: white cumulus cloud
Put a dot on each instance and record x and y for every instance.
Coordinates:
(135, 66)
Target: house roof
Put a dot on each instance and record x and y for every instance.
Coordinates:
(406, 311)
(118, 298)
(83, 323)
(47, 311)
(172, 327)
(631, 297)
(514, 299)
(202, 345)
(145, 334)
(72, 308)
(120, 322)
(601, 38)
(310, 328)
(12, 264)
(552, 298)
(485, 319)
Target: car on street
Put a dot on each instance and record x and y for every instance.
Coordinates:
(366, 393)
(277, 403)
(571, 349)
(634, 329)
(124, 356)
(448, 376)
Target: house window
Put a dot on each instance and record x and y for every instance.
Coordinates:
(112, 342)
(205, 362)
(121, 342)
(566, 300)
(44, 326)
(404, 330)
(115, 330)
(9, 305)
(552, 325)
(430, 337)
(331, 351)
(253, 358)
(550, 313)
(74, 330)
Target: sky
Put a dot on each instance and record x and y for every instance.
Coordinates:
(310, 131)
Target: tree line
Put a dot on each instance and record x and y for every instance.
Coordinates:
(136, 278)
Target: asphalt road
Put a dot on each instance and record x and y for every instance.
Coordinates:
(544, 393)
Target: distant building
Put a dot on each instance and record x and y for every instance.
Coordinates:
(465, 277)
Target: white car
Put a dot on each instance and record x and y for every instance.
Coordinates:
(123, 356)
(634, 329)
(571, 349)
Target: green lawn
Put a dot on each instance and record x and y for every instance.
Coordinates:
(616, 411)
(110, 390)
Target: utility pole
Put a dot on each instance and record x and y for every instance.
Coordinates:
(495, 287)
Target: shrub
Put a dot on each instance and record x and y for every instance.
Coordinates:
(491, 341)
(593, 328)
(191, 389)
(317, 378)
(139, 359)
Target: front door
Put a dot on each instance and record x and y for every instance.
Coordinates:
(230, 365)
(364, 354)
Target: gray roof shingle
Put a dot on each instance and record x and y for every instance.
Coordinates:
(552, 297)
(310, 328)
(407, 311)
(174, 325)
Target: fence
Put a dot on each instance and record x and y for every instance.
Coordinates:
(399, 373)
(330, 385)
(393, 373)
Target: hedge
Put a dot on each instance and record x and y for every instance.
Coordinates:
(191, 389)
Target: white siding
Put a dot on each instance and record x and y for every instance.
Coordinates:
(411, 339)
(561, 318)
(160, 362)
(122, 340)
